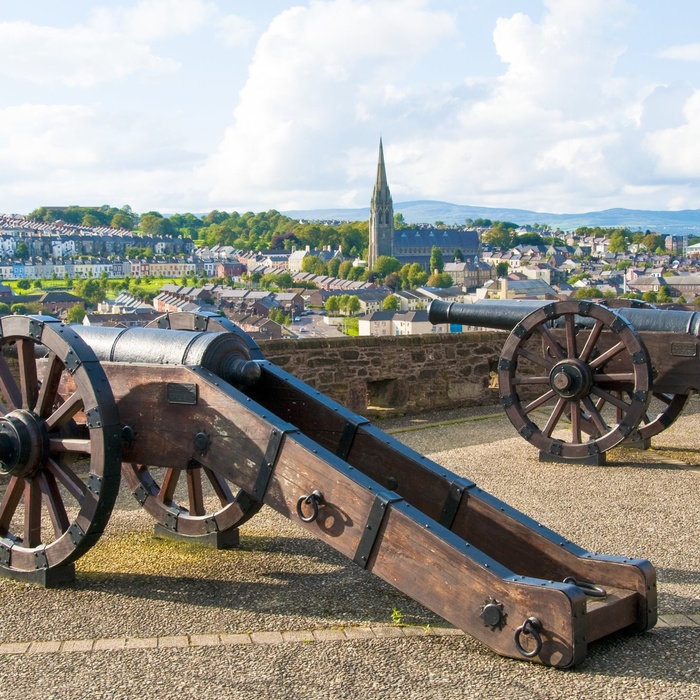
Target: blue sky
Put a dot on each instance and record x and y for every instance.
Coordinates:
(189, 105)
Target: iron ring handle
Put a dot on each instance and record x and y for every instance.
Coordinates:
(531, 627)
(589, 589)
(314, 499)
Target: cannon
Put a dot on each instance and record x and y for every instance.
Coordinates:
(577, 378)
(193, 402)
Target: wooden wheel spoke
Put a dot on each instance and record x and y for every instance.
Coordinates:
(529, 380)
(618, 402)
(9, 503)
(194, 491)
(167, 488)
(8, 385)
(607, 355)
(547, 396)
(65, 412)
(54, 503)
(77, 445)
(32, 513)
(575, 422)
(69, 479)
(591, 341)
(49, 385)
(220, 487)
(554, 417)
(570, 331)
(551, 342)
(28, 380)
(596, 416)
(533, 357)
(613, 378)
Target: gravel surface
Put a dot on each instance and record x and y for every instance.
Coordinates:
(134, 586)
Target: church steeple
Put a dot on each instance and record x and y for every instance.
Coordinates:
(381, 215)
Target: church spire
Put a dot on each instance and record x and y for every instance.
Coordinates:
(381, 215)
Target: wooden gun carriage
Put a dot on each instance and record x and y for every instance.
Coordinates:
(577, 378)
(193, 400)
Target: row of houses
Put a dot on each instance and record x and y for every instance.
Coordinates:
(61, 240)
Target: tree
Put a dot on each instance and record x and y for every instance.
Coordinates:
(333, 267)
(4, 309)
(19, 308)
(436, 263)
(122, 220)
(332, 305)
(353, 305)
(153, 224)
(441, 280)
(22, 250)
(617, 243)
(663, 296)
(588, 293)
(653, 241)
(391, 303)
(399, 221)
(24, 284)
(500, 235)
(91, 289)
(345, 269)
(682, 300)
(502, 269)
(385, 265)
(458, 255)
(75, 314)
(649, 297)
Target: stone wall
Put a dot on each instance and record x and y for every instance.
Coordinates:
(395, 374)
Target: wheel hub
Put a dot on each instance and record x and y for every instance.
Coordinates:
(24, 443)
(571, 379)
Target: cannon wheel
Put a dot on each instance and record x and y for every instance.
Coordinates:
(670, 405)
(580, 377)
(183, 510)
(59, 453)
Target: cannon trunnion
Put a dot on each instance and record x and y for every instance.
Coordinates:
(195, 401)
(577, 378)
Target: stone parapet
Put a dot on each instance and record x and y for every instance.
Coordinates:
(397, 374)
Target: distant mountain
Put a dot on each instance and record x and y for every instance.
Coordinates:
(425, 211)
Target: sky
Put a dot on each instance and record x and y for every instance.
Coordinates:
(558, 106)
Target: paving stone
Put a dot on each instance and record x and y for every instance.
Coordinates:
(266, 637)
(45, 647)
(446, 631)
(329, 635)
(179, 641)
(109, 644)
(359, 633)
(678, 620)
(290, 636)
(77, 645)
(387, 632)
(695, 619)
(414, 631)
(235, 639)
(14, 647)
(141, 643)
(204, 640)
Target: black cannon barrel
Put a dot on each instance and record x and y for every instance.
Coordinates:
(505, 314)
(222, 353)
(498, 314)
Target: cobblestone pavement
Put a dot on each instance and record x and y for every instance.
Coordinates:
(283, 616)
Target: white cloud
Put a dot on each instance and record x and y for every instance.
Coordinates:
(78, 56)
(63, 154)
(318, 72)
(112, 44)
(684, 52)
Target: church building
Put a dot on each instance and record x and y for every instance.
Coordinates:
(413, 243)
